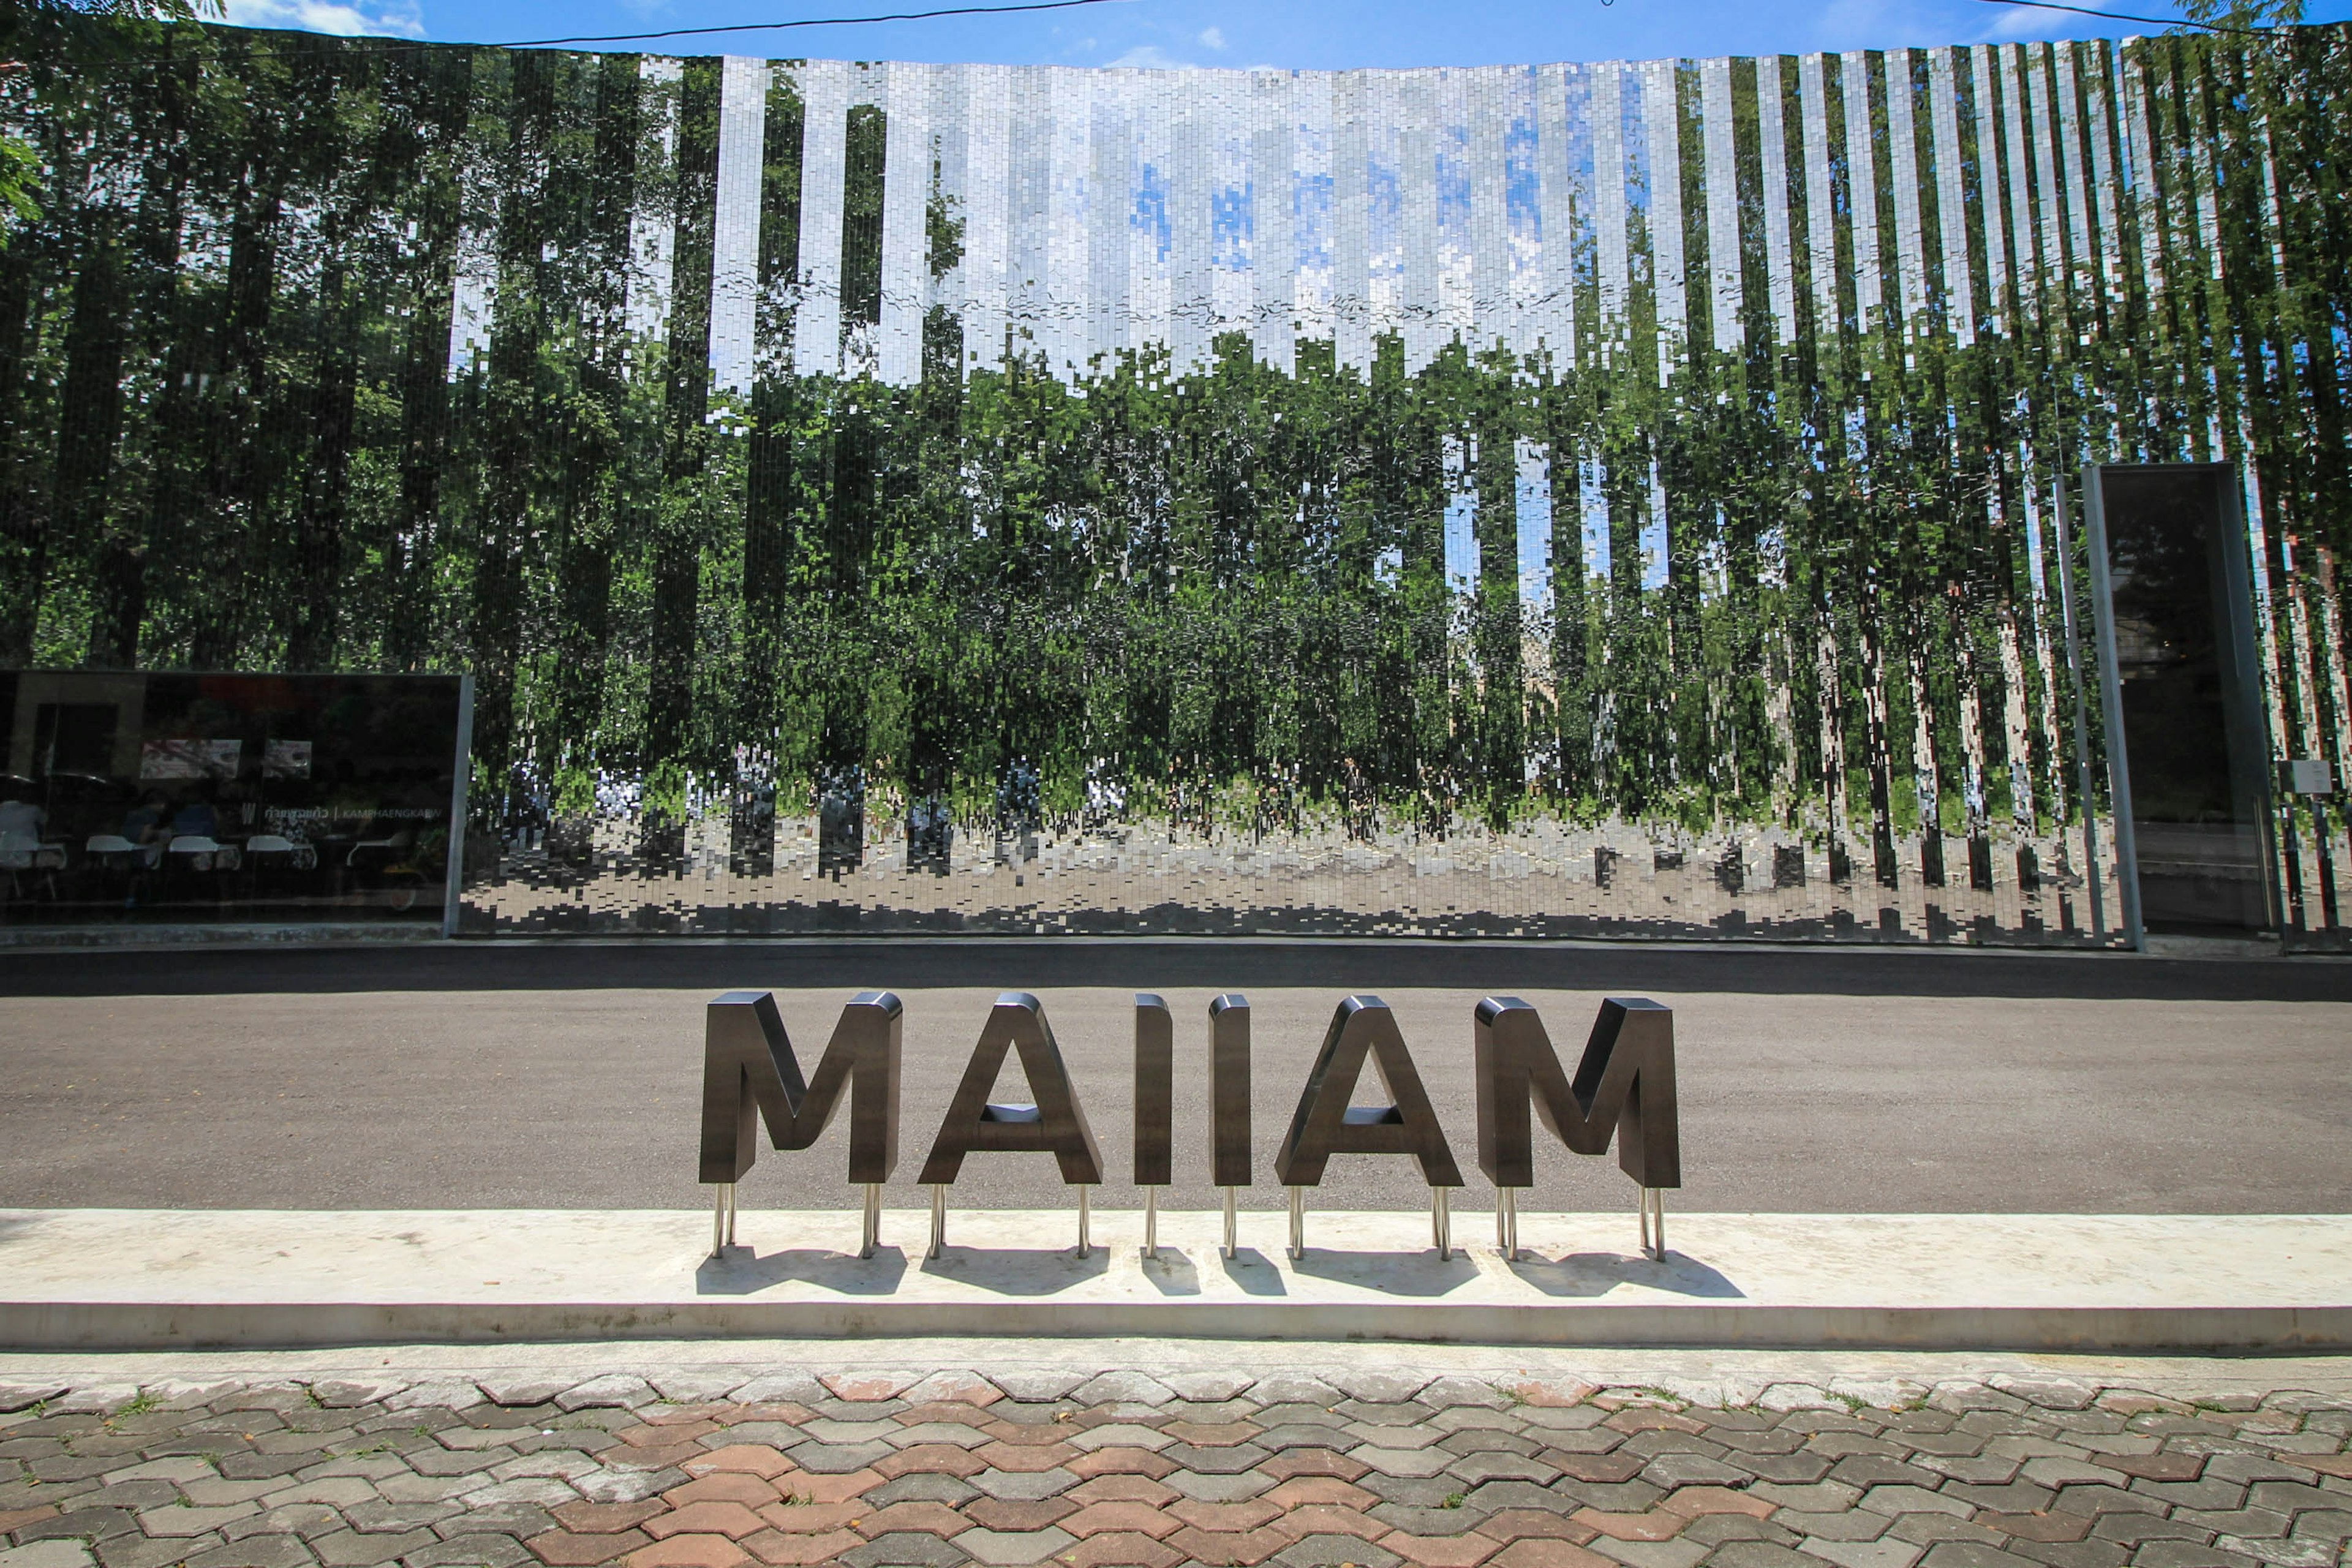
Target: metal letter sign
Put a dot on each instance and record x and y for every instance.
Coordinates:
(748, 1070)
(1325, 1124)
(1624, 1086)
(1623, 1089)
(1055, 1125)
(1229, 1103)
(1155, 1098)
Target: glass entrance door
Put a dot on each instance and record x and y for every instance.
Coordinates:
(2175, 609)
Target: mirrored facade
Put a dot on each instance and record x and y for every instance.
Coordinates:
(1596, 499)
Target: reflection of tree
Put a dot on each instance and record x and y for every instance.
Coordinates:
(234, 435)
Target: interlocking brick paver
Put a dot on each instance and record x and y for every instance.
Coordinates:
(561, 1549)
(942, 1469)
(690, 1551)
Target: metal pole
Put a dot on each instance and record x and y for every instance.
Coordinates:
(2081, 714)
(719, 1219)
(1441, 1223)
(872, 1236)
(1297, 1223)
(1653, 1223)
(1084, 1248)
(1231, 1224)
(939, 1219)
(1506, 1222)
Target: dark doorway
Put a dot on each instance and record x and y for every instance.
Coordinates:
(2175, 602)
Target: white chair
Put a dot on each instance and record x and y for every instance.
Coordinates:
(201, 851)
(17, 851)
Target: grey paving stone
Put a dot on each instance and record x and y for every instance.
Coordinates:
(80, 1523)
(1439, 1519)
(2088, 1553)
(1216, 1489)
(148, 1551)
(1288, 1388)
(1489, 1440)
(1756, 1555)
(1498, 1466)
(1008, 1546)
(1323, 1551)
(355, 1549)
(2183, 1554)
(46, 1554)
(468, 1551)
(1866, 1553)
(2294, 1551)
(1971, 1554)
(778, 1388)
(917, 1549)
(952, 1491)
(1025, 1486)
(497, 1518)
(613, 1389)
(256, 1552)
(1649, 1553)
(1426, 1491)
(304, 1518)
(1124, 1387)
(1036, 1384)
(838, 1459)
(1224, 1461)
(1847, 1524)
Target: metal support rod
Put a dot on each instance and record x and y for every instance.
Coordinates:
(939, 1219)
(1506, 1222)
(1653, 1223)
(1084, 1248)
(1152, 1222)
(871, 1237)
(1297, 1223)
(1232, 1224)
(1441, 1223)
(722, 1218)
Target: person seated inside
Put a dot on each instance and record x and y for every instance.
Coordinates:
(196, 819)
(148, 826)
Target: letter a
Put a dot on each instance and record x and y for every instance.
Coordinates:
(748, 1070)
(1055, 1125)
(1624, 1085)
(1326, 1125)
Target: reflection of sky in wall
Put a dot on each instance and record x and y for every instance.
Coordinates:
(1535, 524)
(1653, 534)
(1460, 518)
(1116, 210)
(1594, 503)
(1233, 223)
(1151, 216)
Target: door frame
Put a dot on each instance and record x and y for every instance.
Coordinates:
(2239, 647)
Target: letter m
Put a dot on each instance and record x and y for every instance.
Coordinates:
(749, 1069)
(1624, 1085)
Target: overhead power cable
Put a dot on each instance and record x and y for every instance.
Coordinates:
(2127, 17)
(378, 44)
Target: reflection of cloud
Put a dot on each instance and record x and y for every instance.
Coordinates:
(1213, 38)
(326, 16)
(1152, 58)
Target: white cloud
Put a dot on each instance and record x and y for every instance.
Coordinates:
(1212, 38)
(1152, 58)
(326, 16)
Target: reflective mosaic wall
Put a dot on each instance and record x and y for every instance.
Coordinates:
(1549, 501)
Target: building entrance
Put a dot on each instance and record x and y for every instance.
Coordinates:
(2175, 604)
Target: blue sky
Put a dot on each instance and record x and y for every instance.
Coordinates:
(1295, 34)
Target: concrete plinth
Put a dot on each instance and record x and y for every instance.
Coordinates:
(116, 1279)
